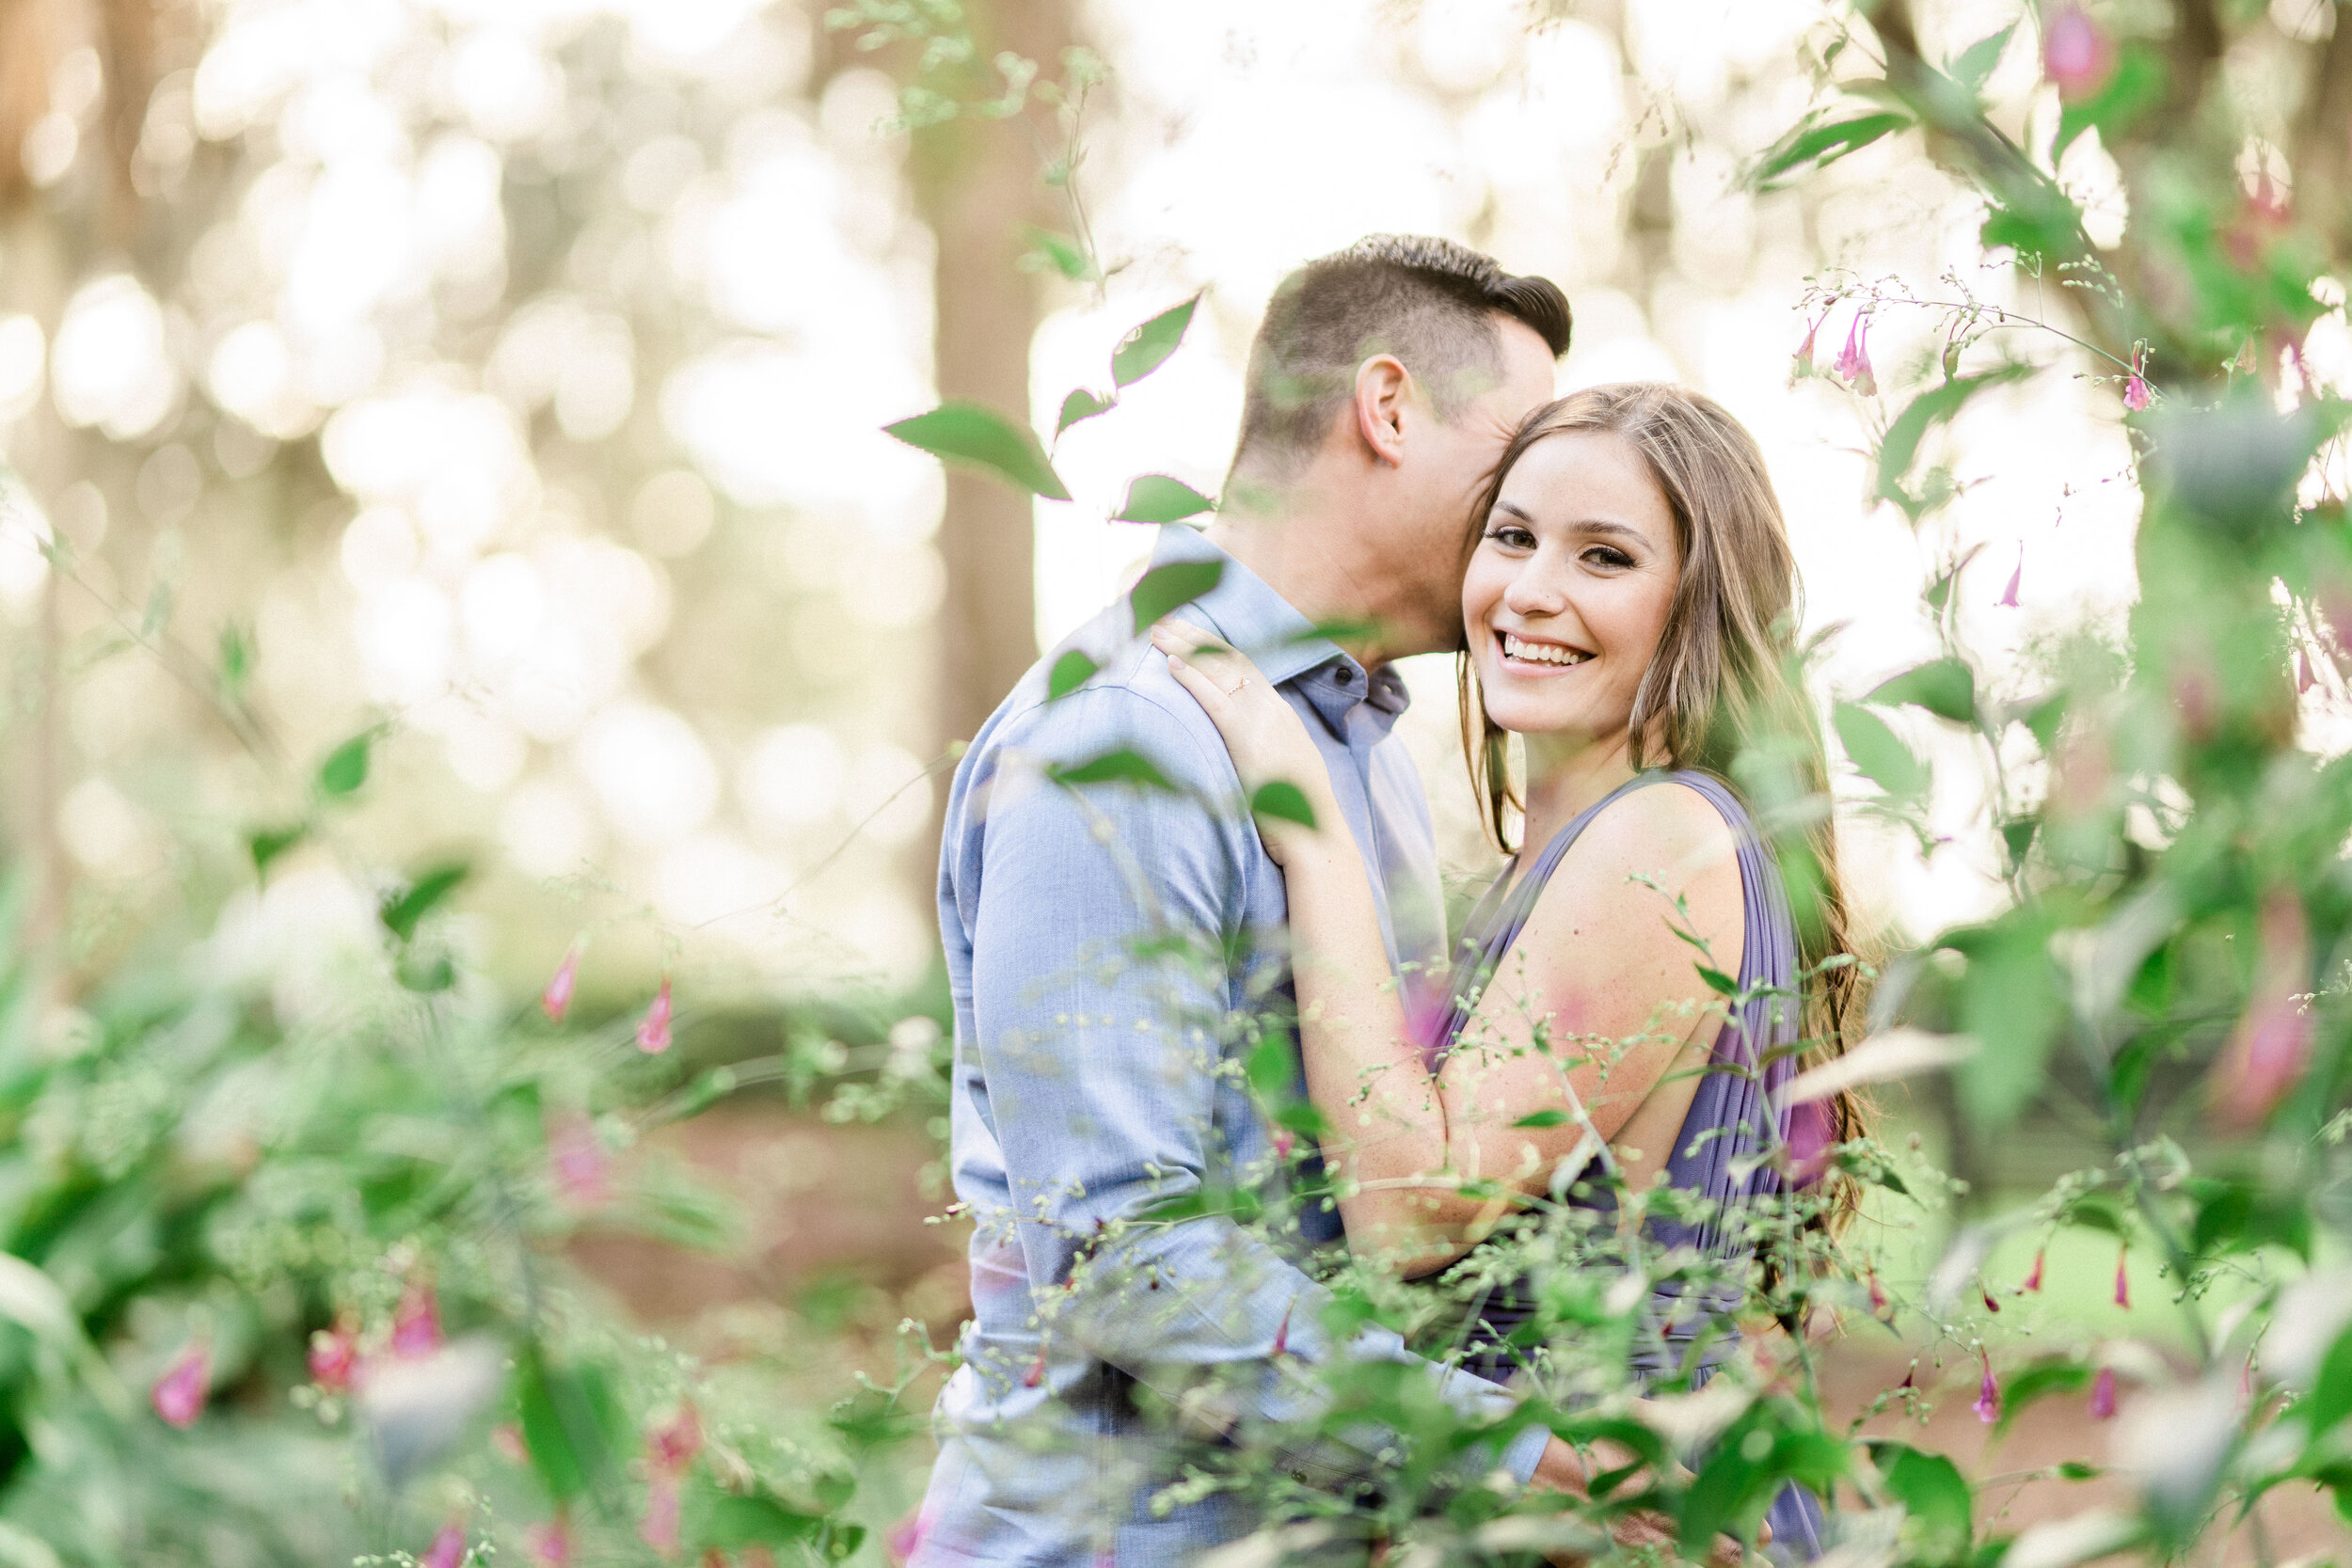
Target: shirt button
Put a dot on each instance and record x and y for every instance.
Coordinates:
(1347, 676)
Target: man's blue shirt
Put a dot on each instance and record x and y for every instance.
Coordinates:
(1101, 939)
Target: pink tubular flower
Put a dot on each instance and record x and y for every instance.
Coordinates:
(658, 1528)
(2136, 388)
(2033, 1280)
(2102, 1396)
(906, 1537)
(2272, 1044)
(653, 1033)
(1911, 1378)
(1988, 1405)
(577, 1161)
(179, 1394)
(2075, 54)
(1986, 1291)
(551, 1545)
(1854, 361)
(448, 1550)
(1036, 1374)
(1282, 1331)
(1804, 366)
(507, 1438)
(416, 1323)
(1878, 1293)
(670, 1447)
(2016, 579)
(2123, 1280)
(1812, 1143)
(335, 1353)
(2304, 679)
(1283, 1143)
(557, 999)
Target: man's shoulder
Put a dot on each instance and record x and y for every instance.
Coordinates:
(1104, 689)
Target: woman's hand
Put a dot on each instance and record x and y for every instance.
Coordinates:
(1268, 741)
(1562, 1469)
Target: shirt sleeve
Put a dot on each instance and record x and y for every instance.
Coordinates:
(1108, 960)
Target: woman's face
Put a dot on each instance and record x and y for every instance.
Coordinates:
(1568, 587)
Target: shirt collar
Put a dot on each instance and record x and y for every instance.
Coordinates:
(1246, 611)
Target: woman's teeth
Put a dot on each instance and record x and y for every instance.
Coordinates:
(1540, 653)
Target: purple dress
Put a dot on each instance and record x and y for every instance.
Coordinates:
(1735, 1118)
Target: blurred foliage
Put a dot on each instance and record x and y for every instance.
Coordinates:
(318, 1220)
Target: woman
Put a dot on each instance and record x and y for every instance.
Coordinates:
(1628, 603)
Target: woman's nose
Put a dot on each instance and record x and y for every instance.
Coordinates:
(1535, 590)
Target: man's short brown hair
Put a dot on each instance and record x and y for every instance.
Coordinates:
(1429, 302)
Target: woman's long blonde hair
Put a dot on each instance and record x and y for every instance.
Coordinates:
(1724, 693)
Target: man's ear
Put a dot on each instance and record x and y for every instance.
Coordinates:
(1383, 388)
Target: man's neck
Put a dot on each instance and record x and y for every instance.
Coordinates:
(1289, 543)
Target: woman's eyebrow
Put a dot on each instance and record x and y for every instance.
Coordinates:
(1588, 525)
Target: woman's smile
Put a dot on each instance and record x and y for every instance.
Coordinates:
(1539, 657)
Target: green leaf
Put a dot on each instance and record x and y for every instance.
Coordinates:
(235, 665)
(1944, 687)
(1876, 750)
(1157, 498)
(266, 844)
(572, 1424)
(2135, 86)
(1272, 1069)
(1148, 346)
(1081, 404)
(1935, 406)
(428, 974)
(1062, 253)
(346, 766)
(1172, 586)
(723, 1521)
(1811, 147)
(1932, 1490)
(1071, 671)
(970, 433)
(1729, 1484)
(2042, 721)
(2330, 1398)
(1976, 61)
(2011, 998)
(1301, 1117)
(1334, 631)
(1119, 766)
(400, 911)
(2059, 1375)
(1542, 1118)
(1717, 980)
(1284, 801)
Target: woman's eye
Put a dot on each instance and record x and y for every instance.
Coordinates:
(1513, 537)
(1601, 554)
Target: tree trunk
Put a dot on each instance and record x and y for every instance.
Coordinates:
(978, 183)
(978, 186)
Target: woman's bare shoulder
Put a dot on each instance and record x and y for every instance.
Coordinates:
(1641, 852)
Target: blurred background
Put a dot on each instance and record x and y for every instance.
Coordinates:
(499, 384)
(509, 377)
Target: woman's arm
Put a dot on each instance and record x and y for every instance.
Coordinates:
(1591, 1007)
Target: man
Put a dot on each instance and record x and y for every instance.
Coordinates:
(1108, 944)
